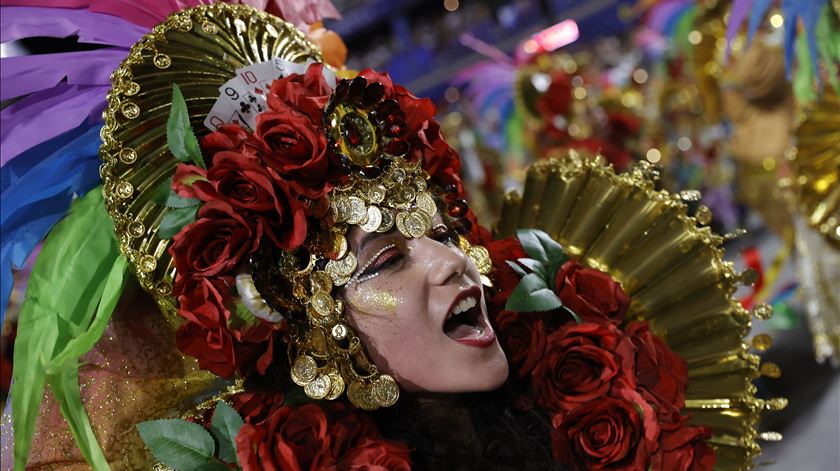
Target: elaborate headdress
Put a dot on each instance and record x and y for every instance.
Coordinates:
(269, 246)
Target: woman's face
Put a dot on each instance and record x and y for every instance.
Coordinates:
(418, 307)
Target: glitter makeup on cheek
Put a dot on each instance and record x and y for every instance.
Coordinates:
(374, 301)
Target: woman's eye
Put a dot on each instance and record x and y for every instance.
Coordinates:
(383, 262)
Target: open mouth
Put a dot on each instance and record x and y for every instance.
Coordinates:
(466, 322)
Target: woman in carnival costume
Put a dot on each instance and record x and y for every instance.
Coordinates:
(327, 300)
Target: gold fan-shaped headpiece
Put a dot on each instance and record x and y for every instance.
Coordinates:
(672, 268)
(199, 49)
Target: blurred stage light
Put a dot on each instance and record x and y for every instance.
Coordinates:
(552, 38)
(451, 5)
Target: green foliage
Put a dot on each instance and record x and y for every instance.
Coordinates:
(179, 134)
(181, 445)
(225, 425)
(175, 219)
(535, 291)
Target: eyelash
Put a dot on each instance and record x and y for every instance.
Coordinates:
(371, 269)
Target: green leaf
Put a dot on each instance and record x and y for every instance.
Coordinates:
(532, 295)
(226, 424)
(178, 202)
(540, 246)
(177, 443)
(161, 193)
(175, 219)
(242, 317)
(179, 134)
(517, 268)
(535, 266)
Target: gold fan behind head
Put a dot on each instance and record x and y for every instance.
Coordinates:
(199, 49)
(815, 167)
(672, 268)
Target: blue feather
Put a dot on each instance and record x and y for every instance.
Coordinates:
(40, 197)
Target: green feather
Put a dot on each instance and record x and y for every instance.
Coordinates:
(74, 287)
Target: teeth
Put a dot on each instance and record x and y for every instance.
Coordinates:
(464, 306)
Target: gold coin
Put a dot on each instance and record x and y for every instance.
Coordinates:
(374, 219)
(420, 184)
(304, 370)
(337, 386)
(344, 266)
(319, 387)
(426, 203)
(376, 194)
(359, 395)
(341, 208)
(321, 281)
(384, 391)
(358, 211)
(322, 303)
(481, 258)
(417, 224)
(339, 280)
(339, 331)
(387, 221)
(339, 245)
(407, 195)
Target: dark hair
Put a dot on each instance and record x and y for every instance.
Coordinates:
(475, 431)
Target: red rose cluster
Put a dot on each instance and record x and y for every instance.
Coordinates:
(612, 388)
(311, 436)
(270, 187)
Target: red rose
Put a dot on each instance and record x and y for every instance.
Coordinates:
(436, 156)
(208, 334)
(503, 277)
(185, 176)
(202, 300)
(231, 137)
(659, 371)
(290, 439)
(685, 449)
(307, 93)
(255, 407)
(297, 150)
(522, 336)
(212, 347)
(591, 294)
(607, 433)
(579, 365)
(215, 243)
(376, 455)
(239, 180)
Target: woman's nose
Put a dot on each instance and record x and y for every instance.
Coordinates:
(445, 263)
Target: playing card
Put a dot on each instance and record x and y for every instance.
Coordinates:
(249, 106)
(257, 78)
(223, 112)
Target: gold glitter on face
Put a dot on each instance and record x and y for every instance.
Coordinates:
(374, 301)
